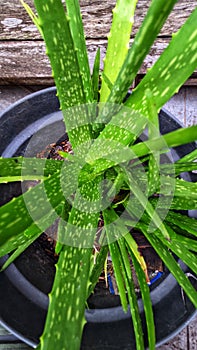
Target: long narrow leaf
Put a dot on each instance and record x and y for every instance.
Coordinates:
(18, 214)
(114, 252)
(171, 70)
(76, 28)
(18, 240)
(19, 166)
(190, 157)
(118, 42)
(95, 74)
(145, 291)
(183, 221)
(19, 251)
(153, 22)
(171, 264)
(153, 132)
(65, 318)
(131, 295)
(66, 69)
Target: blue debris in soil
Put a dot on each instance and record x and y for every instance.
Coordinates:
(155, 278)
(111, 288)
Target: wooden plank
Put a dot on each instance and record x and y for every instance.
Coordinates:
(25, 62)
(15, 23)
(22, 53)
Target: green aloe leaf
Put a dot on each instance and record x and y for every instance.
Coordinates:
(153, 132)
(95, 74)
(146, 300)
(98, 266)
(177, 203)
(149, 209)
(172, 139)
(24, 167)
(151, 26)
(132, 298)
(123, 129)
(115, 229)
(56, 31)
(76, 28)
(183, 221)
(65, 318)
(19, 250)
(115, 136)
(190, 157)
(66, 68)
(118, 42)
(111, 234)
(171, 69)
(178, 168)
(171, 263)
(180, 250)
(19, 239)
(18, 214)
(187, 242)
(182, 188)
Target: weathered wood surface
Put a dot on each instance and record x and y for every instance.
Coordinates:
(15, 23)
(26, 62)
(22, 53)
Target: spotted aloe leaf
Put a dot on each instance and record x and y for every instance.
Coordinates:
(182, 188)
(76, 28)
(98, 267)
(178, 168)
(132, 298)
(95, 75)
(61, 50)
(113, 141)
(20, 169)
(180, 250)
(19, 250)
(146, 300)
(118, 42)
(122, 271)
(65, 317)
(190, 157)
(18, 214)
(170, 262)
(72, 89)
(153, 22)
(172, 139)
(146, 204)
(188, 243)
(171, 70)
(123, 129)
(184, 222)
(153, 132)
(20, 240)
(177, 203)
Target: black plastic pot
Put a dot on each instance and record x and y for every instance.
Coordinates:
(23, 298)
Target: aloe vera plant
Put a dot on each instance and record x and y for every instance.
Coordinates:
(106, 162)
